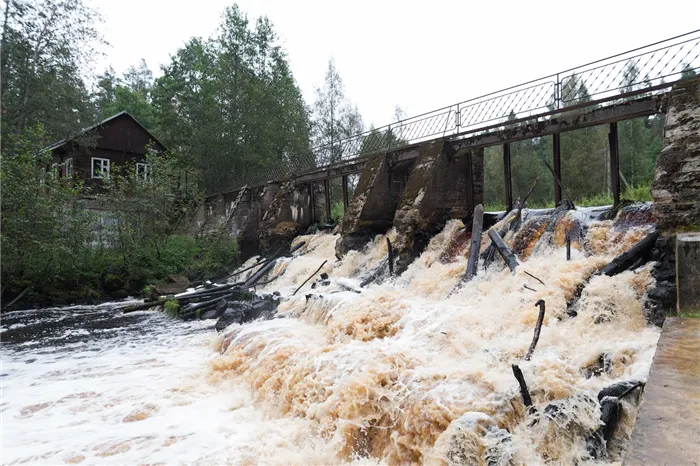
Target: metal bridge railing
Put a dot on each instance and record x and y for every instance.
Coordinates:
(642, 70)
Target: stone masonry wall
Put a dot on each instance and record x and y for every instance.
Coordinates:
(676, 186)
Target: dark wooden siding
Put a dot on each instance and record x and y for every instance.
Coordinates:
(121, 140)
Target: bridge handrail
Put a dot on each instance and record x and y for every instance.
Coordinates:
(596, 82)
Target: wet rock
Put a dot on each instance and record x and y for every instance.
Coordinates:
(661, 299)
(232, 315)
(602, 365)
(212, 314)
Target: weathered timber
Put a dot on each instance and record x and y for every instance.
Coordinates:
(268, 266)
(505, 252)
(568, 121)
(310, 277)
(568, 245)
(628, 258)
(475, 243)
(560, 184)
(523, 386)
(538, 328)
(17, 298)
(142, 306)
(516, 224)
(528, 273)
(390, 248)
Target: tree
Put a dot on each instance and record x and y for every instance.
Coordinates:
(132, 93)
(46, 46)
(334, 118)
(230, 105)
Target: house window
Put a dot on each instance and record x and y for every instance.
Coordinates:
(69, 167)
(143, 171)
(100, 168)
(54, 171)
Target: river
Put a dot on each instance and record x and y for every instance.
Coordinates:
(406, 371)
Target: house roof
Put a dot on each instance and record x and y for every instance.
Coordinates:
(62, 142)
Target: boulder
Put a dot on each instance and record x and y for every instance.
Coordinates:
(232, 315)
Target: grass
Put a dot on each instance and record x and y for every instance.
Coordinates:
(690, 315)
(637, 194)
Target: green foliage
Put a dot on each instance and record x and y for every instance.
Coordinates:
(148, 291)
(337, 210)
(44, 232)
(238, 107)
(334, 118)
(172, 308)
(46, 45)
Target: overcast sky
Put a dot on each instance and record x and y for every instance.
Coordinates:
(419, 55)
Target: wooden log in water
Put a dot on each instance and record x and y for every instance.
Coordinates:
(310, 277)
(538, 328)
(625, 260)
(260, 273)
(505, 252)
(568, 245)
(475, 243)
(523, 386)
(391, 257)
(142, 306)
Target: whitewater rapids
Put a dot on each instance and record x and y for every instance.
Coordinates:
(404, 372)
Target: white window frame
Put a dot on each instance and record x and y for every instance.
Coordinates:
(69, 167)
(104, 174)
(54, 171)
(146, 171)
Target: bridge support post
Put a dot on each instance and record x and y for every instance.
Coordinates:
(507, 178)
(312, 202)
(614, 164)
(470, 182)
(327, 194)
(556, 154)
(346, 200)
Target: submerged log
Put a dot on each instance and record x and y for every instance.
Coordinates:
(505, 252)
(538, 328)
(310, 277)
(142, 306)
(523, 386)
(475, 243)
(628, 258)
(390, 248)
(568, 245)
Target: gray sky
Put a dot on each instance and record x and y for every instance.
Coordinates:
(419, 55)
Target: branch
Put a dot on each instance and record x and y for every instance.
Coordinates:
(538, 328)
(310, 277)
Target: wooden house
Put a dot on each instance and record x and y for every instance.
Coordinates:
(117, 141)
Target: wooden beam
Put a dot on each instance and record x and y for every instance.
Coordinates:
(346, 199)
(327, 193)
(556, 155)
(566, 121)
(507, 178)
(614, 164)
(469, 178)
(312, 201)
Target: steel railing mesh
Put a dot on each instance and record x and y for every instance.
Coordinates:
(645, 69)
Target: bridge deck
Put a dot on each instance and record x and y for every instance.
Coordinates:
(668, 426)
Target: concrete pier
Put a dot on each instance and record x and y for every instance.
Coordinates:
(667, 431)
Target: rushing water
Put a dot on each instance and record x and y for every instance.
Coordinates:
(405, 371)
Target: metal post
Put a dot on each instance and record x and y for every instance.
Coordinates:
(346, 199)
(508, 181)
(327, 192)
(556, 149)
(469, 183)
(614, 164)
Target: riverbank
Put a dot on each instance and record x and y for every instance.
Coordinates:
(107, 276)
